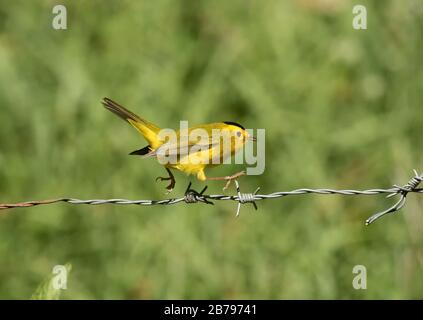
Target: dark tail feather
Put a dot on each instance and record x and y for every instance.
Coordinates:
(146, 152)
(119, 110)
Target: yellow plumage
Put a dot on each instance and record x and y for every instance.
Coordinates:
(209, 149)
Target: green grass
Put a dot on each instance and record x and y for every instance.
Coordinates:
(54, 284)
(342, 108)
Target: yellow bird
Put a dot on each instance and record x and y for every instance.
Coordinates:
(193, 150)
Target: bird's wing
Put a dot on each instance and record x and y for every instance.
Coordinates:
(188, 143)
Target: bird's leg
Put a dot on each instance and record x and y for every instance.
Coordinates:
(171, 178)
(228, 178)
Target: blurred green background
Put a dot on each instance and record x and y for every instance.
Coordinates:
(342, 108)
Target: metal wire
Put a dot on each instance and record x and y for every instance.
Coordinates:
(192, 196)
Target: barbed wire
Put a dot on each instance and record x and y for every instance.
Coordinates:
(192, 196)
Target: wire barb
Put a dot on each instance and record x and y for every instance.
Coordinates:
(192, 196)
(245, 197)
(403, 191)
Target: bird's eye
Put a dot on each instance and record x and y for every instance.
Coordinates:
(238, 133)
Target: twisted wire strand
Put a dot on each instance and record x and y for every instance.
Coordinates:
(192, 196)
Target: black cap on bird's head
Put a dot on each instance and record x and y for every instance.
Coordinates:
(234, 124)
(241, 127)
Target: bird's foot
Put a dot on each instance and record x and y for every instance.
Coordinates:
(171, 184)
(233, 177)
(163, 178)
(170, 187)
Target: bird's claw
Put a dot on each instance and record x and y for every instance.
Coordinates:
(162, 179)
(171, 184)
(228, 183)
(233, 177)
(170, 187)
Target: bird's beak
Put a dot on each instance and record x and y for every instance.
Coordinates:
(252, 138)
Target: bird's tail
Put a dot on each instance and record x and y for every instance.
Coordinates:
(147, 129)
